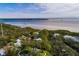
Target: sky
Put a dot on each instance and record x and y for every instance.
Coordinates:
(39, 10)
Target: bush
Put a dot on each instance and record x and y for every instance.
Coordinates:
(43, 53)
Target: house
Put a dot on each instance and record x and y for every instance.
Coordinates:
(18, 43)
(69, 37)
(74, 38)
(38, 39)
(63, 50)
(2, 52)
(36, 36)
(35, 50)
(56, 34)
(23, 37)
(36, 33)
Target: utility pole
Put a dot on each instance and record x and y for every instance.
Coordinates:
(2, 30)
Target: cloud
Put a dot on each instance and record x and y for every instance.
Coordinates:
(58, 7)
(40, 10)
(61, 9)
(25, 15)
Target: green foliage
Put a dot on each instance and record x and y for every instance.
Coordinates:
(44, 34)
(72, 44)
(3, 42)
(43, 53)
(29, 49)
(46, 45)
(26, 51)
(12, 52)
(49, 45)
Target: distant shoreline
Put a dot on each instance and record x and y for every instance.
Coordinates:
(48, 24)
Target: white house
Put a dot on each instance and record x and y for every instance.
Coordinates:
(56, 34)
(18, 43)
(2, 52)
(69, 37)
(74, 38)
(37, 39)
